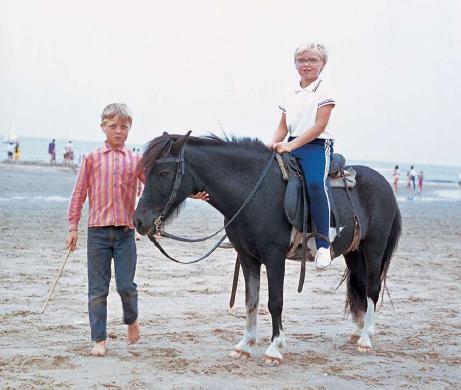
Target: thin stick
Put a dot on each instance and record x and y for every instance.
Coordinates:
(55, 282)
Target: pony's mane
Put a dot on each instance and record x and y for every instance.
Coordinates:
(160, 146)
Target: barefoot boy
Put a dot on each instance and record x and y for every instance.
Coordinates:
(108, 176)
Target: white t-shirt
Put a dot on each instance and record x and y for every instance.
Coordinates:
(301, 105)
(68, 148)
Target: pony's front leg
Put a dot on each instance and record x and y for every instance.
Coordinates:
(275, 277)
(251, 271)
(364, 342)
(354, 337)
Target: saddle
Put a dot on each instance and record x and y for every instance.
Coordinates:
(296, 201)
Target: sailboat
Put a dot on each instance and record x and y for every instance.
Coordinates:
(11, 136)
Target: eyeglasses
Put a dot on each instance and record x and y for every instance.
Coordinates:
(308, 61)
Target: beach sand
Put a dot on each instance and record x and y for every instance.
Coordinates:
(187, 327)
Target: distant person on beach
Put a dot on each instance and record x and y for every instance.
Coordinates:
(305, 116)
(412, 177)
(396, 176)
(68, 153)
(420, 182)
(52, 151)
(17, 152)
(459, 180)
(10, 151)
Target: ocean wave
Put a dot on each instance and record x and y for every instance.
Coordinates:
(449, 194)
(416, 198)
(53, 198)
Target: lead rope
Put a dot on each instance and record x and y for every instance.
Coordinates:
(182, 239)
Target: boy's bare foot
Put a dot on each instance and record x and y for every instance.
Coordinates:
(133, 332)
(99, 348)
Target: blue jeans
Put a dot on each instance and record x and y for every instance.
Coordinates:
(105, 243)
(315, 158)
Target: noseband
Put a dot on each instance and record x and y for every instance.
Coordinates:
(174, 192)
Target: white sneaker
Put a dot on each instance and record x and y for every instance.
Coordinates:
(323, 258)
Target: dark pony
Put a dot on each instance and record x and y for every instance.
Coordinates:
(228, 169)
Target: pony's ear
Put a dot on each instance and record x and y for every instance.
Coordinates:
(165, 134)
(179, 143)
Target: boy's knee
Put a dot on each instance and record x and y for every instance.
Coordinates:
(316, 187)
(95, 300)
(127, 291)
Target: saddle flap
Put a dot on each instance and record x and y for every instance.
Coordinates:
(294, 202)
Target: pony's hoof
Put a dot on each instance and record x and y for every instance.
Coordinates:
(363, 348)
(353, 339)
(237, 354)
(364, 344)
(272, 360)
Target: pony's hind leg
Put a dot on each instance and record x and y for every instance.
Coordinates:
(275, 276)
(251, 272)
(356, 291)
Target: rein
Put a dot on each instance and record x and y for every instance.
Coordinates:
(159, 220)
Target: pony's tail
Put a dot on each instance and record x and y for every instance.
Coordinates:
(356, 302)
(391, 246)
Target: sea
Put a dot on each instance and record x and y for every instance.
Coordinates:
(442, 180)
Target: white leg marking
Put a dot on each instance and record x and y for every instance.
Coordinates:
(243, 348)
(272, 354)
(364, 342)
(354, 337)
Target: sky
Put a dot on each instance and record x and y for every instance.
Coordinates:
(210, 65)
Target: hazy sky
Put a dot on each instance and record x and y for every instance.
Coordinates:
(180, 65)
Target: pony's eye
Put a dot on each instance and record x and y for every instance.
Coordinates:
(163, 173)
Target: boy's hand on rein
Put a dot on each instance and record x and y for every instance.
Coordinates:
(282, 147)
(202, 195)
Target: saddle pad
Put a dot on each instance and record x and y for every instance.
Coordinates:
(349, 175)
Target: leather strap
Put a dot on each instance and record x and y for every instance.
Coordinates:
(235, 282)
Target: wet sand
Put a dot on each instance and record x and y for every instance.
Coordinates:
(187, 327)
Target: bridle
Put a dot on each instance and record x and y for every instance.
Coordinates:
(174, 192)
(180, 169)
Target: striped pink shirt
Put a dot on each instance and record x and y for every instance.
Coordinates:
(109, 178)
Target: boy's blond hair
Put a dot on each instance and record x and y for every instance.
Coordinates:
(320, 48)
(119, 110)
